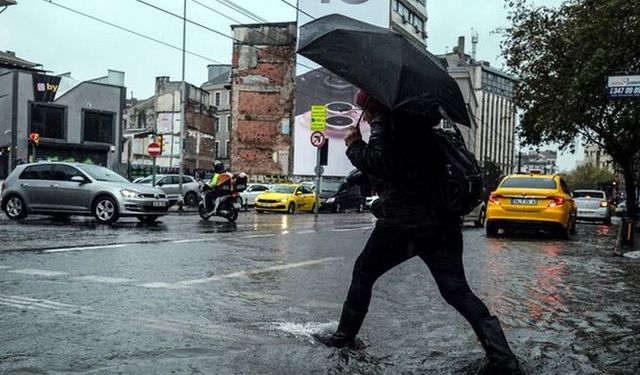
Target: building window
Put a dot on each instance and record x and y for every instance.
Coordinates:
(226, 149)
(47, 121)
(228, 124)
(217, 124)
(228, 97)
(98, 127)
(216, 98)
(217, 149)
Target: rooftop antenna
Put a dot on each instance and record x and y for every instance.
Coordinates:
(474, 42)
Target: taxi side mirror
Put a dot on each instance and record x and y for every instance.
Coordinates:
(298, 192)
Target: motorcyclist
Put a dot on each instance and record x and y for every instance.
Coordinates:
(220, 184)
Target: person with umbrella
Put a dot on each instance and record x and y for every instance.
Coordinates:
(401, 159)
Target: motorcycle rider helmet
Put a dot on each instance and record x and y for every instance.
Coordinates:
(218, 166)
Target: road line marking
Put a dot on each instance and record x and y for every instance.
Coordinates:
(349, 229)
(29, 271)
(87, 248)
(102, 279)
(187, 283)
(50, 304)
(5, 268)
(260, 236)
(191, 240)
(307, 231)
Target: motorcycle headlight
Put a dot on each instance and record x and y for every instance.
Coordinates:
(130, 194)
(331, 200)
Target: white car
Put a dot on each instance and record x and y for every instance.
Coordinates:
(593, 205)
(170, 184)
(248, 197)
(477, 215)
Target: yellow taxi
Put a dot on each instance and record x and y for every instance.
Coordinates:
(532, 200)
(287, 198)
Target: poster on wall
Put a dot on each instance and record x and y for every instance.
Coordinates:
(318, 86)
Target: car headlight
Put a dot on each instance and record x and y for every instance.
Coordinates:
(330, 200)
(130, 194)
(284, 199)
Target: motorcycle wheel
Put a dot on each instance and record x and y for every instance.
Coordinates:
(203, 213)
(232, 216)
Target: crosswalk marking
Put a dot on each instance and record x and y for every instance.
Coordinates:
(34, 272)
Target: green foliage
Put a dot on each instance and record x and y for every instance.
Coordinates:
(589, 176)
(491, 175)
(562, 57)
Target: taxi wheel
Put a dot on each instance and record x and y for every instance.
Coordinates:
(291, 209)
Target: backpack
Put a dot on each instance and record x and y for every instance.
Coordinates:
(459, 178)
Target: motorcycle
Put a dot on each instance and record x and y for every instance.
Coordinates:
(227, 204)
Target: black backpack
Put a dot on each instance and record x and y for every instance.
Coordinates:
(459, 178)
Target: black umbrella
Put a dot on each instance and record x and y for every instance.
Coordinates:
(384, 64)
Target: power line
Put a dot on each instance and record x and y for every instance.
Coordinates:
(298, 9)
(241, 10)
(130, 31)
(217, 12)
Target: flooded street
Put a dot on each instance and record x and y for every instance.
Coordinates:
(189, 297)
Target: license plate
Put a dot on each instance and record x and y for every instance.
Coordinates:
(158, 204)
(266, 204)
(524, 201)
(237, 205)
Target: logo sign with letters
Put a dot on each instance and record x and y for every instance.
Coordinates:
(45, 87)
(623, 86)
(318, 118)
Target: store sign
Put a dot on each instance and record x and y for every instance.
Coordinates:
(626, 86)
(45, 87)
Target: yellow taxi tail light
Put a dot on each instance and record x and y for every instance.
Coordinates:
(556, 201)
(495, 198)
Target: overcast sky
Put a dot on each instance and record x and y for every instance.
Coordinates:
(63, 41)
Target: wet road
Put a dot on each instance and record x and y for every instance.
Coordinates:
(185, 296)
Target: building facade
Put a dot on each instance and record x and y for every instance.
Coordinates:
(74, 120)
(158, 119)
(262, 93)
(218, 86)
(489, 95)
(596, 155)
(409, 17)
(541, 161)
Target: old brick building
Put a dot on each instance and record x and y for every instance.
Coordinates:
(263, 76)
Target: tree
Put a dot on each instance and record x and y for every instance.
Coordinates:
(491, 176)
(562, 57)
(589, 176)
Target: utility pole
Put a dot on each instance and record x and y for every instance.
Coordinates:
(183, 92)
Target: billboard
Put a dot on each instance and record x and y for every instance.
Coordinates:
(318, 86)
(623, 86)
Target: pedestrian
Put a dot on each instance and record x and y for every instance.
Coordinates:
(402, 166)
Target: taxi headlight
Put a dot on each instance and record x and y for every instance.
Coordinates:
(284, 199)
(130, 194)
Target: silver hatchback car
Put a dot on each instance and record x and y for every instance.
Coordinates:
(64, 189)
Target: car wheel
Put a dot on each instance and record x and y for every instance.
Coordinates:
(291, 209)
(105, 210)
(481, 219)
(491, 229)
(191, 199)
(573, 227)
(147, 219)
(360, 208)
(15, 208)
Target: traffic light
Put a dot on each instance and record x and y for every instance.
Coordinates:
(160, 142)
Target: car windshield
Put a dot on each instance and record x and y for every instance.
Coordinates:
(330, 186)
(146, 180)
(588, 194)
(102, 174)
(284, 189)
(529, 183)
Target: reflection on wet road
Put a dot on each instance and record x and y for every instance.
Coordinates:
(185, 296)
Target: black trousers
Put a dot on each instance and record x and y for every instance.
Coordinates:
(440, 248)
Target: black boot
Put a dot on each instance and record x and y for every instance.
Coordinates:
(345, 335)
(501, 359)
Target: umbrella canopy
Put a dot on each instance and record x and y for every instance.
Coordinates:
(384, 64)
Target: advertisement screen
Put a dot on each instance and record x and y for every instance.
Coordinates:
(318, 86)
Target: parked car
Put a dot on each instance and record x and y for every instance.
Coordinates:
(287, 198)
(249, 195)
(593, 205)
(531, 200)
(65, 189)
(368, 201)
(344, 198)
(477, 216)
(170, 184)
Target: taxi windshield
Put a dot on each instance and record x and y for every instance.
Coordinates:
(284, 189)
(529, 183)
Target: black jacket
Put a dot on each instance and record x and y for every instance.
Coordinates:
(401, 162)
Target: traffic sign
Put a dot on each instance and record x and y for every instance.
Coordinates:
(153, 149)
(318, 118)
(35, 138)
(318, 139)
